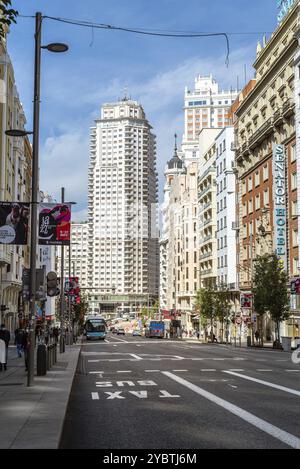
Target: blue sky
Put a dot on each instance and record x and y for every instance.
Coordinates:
(100, 65)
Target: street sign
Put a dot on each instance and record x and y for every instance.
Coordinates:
(246, 300)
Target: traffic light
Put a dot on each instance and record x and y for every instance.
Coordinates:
(52, 289)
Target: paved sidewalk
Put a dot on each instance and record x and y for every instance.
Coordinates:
(33, 417)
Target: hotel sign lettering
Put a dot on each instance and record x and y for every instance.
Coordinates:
(283, 7)
(279, 198)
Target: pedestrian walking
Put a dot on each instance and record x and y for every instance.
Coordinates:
(25, 344)
(19, 341)
(5, 336)
(256, 336)
(2, 354)
(198, 335)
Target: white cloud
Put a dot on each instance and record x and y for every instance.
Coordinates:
(65, 157)
(64, 163)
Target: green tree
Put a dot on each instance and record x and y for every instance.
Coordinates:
(7, 16)
(205, 303)
(144, 314)
(270, 290)
(222, 298)
(81, 309)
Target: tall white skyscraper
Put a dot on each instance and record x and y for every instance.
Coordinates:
(122, 219)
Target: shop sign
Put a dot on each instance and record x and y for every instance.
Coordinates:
(279, 199)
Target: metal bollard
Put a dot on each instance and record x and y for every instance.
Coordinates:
(55, 352)
(41, 360)
(48, 358)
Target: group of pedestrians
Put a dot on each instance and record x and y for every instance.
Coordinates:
(21, 342)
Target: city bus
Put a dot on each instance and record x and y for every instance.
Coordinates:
(95, 328)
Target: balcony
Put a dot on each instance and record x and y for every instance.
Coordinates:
(288, 107)
(207, 238)
(206, 255)
(206, 272)
(278, 117)
(260, 134)
(204, 191)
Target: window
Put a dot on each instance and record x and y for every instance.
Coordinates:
(250, 184)
(294, 181)
(257, 179)
(293, 153)
(250, 206)
(257, 202)
(294, 208)
(266, 173)
(295, 238)
(266, 197)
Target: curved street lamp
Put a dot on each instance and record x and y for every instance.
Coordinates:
(53, 47)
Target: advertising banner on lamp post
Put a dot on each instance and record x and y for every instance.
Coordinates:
(54, 224)
(14, 218)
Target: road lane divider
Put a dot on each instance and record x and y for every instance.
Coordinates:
(262, 425)
(265, 383)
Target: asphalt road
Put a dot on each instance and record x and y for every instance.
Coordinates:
(137, 393)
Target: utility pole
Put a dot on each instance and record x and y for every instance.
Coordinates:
(34, 195)
(62, 288)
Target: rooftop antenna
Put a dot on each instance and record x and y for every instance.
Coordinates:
(125, 98)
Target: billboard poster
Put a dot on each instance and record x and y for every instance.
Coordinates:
(14, 222)
(54, 224)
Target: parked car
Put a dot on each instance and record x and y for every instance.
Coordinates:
(121, 331)
(136, 332)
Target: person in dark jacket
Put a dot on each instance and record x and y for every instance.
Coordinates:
(19, 341)
(5, 336)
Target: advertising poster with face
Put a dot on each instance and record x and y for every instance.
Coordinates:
(14, 221)
(54, 224)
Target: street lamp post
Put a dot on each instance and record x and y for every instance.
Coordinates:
(56, 47)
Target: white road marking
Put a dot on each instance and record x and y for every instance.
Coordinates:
(107, 341)
(179, 370)
(236, 369)
(96, 372)
(266, 383)
(293, 371)
(261, 369)
(124, 371)
(121, 383)
(167, 394)
(195, 359)
(139, 394)
(95, 396)
(136, 356)
(208, 369)
(152, 371)
(285, 437)
(232, 386)
(114, 395)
